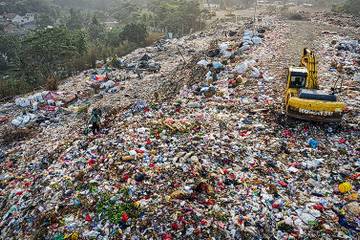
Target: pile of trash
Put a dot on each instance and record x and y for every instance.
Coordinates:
(45, 98)
(214, 161)
(145, 63)
(352, 46)
(35, 107)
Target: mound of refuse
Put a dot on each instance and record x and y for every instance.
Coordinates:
(197, 149)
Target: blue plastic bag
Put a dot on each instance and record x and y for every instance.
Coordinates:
(313, 143)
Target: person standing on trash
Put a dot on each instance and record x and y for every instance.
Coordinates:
(95, 120)
(213, 72)
(138, 72)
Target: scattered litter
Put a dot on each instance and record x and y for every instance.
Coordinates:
(24, 119)
(197, 150)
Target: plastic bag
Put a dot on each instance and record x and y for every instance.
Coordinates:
(203, 62)
(241, 68)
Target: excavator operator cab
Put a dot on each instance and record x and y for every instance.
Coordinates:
(297, 77)
(297, 81)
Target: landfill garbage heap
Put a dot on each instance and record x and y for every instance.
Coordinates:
(196, 150)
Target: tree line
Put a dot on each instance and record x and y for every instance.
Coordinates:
(68, 42)
(349, 6)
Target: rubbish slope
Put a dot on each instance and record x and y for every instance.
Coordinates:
(196, 149)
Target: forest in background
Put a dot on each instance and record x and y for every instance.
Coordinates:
(71, 36)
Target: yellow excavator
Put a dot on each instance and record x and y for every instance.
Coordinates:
(304, 100)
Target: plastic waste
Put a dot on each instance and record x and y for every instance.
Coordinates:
(182, 165)
(256, 40)
(2, 155)
(217, 65)
(22, 120)
(203, 62)
(357, 77)
(223, 46)
(22, 102)
(313, 143)
(107, 85)
(244, 48)
(313, 164)
(241, 68)
(91, 234)
(345, 187)
(255, 73)
(224, 50)
(139, 106)
(208, 91)
(208, 75)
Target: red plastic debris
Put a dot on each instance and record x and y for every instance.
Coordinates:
(19, 193)
(232, 82)
(139, 151)
(210, 202)
(232, 176)
(175, 226)
(203, 222)
(181, 219)
(9, 164)
(166, 236)
(294, 164)
(355, 176)
(50, 108)
(283, 184)
(244, 133)
(3, 119)
(287, 133)
(125, 177)
(221, 185)
(275, 205)
(319, 207)
(124, 217)
(88, 218)
(91, 162)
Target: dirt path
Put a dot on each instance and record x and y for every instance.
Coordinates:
(283, 46)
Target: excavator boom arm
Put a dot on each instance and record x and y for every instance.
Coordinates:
(308, 60)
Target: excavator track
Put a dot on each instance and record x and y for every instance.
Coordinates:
(314, 118)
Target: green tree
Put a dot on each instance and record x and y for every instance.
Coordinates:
(134, 32)
(145, 17)
(22, 7)
(46, 53)
(125, 12)
(177, 16)
(44, 20)
(76, 20)
(113, 37)
(9, 46)
(96, 30)
(352, 7)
